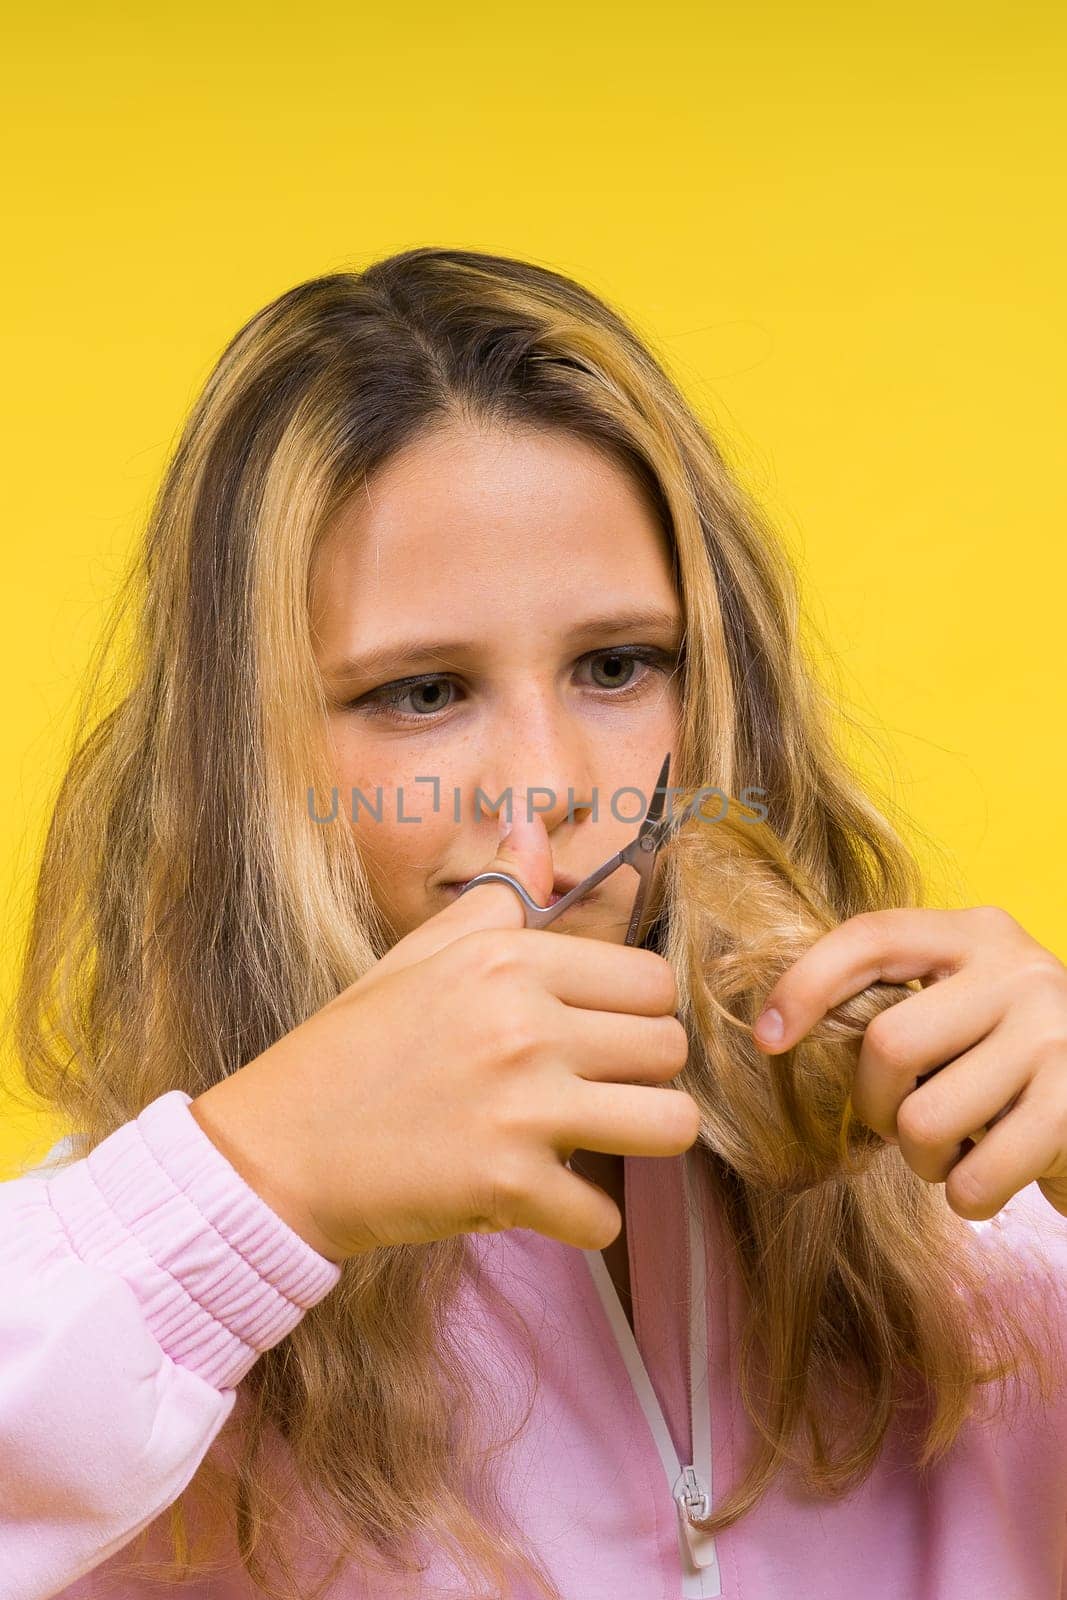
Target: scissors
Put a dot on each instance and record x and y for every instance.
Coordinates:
(640, 853)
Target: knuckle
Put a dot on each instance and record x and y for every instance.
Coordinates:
(1049, 1048)
(886, 1040)
(966, 1193)
(1045, 976)
(494, 953)
(465, 954)
(995, 918)
(920, 1122)
(521, 1035)
(872, 925)
(1044, 985)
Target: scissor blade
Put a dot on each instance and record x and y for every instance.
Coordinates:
(640, 854)
(637, 913)
(648, 844)
(663, 829)
(659, 797)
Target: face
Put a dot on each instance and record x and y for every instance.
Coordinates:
(496, 613)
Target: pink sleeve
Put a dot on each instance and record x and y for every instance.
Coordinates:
(137, 1287)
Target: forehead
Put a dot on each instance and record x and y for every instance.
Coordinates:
(467, 518)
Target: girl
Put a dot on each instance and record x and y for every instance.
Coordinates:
(398, 1249)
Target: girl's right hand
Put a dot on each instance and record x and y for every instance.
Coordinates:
(443, 1092)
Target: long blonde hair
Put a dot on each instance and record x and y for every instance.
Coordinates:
(186, 916)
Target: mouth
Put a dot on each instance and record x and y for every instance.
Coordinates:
(562, 884)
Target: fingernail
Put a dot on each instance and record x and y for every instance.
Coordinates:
(770, 1026)
(519, 806)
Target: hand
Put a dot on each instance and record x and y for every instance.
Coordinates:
(445, 1090)
(983, 1042)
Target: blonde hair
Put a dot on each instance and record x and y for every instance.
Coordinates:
(186, 916)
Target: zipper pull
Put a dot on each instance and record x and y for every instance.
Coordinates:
(691, 1495)
(692, 1500)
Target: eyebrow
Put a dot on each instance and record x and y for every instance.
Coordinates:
(405, 652)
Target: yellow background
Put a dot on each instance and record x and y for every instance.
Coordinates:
(843, 226)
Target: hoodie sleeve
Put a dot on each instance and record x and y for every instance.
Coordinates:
(137, 1287)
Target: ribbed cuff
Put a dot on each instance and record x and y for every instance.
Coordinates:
(219, 1275)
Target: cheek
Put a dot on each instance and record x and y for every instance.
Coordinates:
(391, 862)
(400, 856)
(398, 847)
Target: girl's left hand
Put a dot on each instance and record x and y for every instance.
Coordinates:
(993, 1005)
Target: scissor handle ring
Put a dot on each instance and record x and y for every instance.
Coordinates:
(520, 890)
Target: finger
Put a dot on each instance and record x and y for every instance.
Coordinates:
(961, 1102)
(526, 854)
(892, 946)
(584, 973)
(919, 1034)
(565, 1206)
(1022, 1147)
(599, 976)
(614, 1046)
(627, 1120)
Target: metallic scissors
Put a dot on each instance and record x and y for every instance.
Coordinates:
(640, 853)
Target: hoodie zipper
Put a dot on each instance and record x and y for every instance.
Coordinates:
(689, 1486)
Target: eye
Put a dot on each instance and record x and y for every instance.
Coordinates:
(429, 697)
(622, 662)
(411, 700)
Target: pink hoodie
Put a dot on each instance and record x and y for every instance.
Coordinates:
(138, 1286)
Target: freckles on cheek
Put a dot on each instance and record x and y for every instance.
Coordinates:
(403, 864)
(400, 856)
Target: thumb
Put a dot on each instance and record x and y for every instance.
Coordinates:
(524, 853)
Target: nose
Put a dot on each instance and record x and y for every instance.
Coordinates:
(547, 769)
